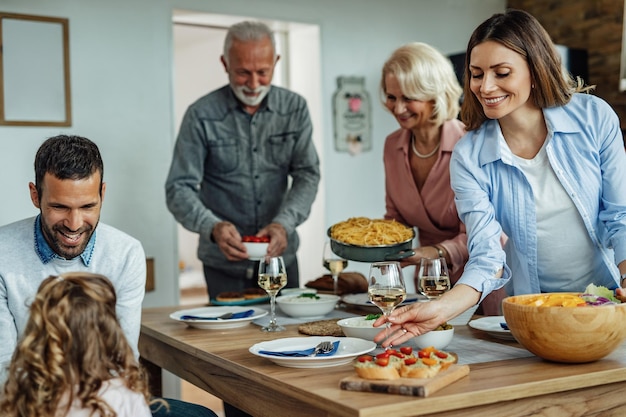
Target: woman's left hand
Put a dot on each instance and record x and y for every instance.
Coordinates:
(620, 293)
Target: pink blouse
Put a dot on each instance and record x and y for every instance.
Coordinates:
(432, 211)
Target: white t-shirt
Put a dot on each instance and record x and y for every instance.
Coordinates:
(125, 402)
(565, 253)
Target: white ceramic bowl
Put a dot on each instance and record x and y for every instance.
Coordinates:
(256, 250)
(307, 307)
(437, 338)
(359, 327)
(297, 291)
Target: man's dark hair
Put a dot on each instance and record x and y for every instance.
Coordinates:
(67, 158)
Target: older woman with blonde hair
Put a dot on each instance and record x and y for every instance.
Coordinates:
(420, 89)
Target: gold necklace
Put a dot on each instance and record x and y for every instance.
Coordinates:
(419, 155)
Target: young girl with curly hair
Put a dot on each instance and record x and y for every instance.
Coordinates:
(73, 359)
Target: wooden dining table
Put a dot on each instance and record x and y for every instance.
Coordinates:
(219, 362)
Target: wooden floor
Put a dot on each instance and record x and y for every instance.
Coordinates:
(190, 392)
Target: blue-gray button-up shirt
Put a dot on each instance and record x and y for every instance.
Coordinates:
(586, 152)
(229, 165)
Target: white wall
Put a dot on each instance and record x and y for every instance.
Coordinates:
(121, 74)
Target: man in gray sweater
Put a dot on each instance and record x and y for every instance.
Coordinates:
(67, 236)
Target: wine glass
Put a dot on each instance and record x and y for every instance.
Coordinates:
(334, 263)
(386, 287)
(272, 277)
(432, 278)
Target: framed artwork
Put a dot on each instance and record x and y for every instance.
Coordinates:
(34, 71)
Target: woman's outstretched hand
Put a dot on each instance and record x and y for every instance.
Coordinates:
(408, 322)
(422, 317)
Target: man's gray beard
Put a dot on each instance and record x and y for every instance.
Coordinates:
(250, 101)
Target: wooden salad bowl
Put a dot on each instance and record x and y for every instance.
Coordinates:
(566, 334)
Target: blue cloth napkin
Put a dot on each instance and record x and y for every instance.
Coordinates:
(300, 353)
(238, 315)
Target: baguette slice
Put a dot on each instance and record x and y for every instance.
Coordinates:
(445, 363)
(428, 370)
(419, 370)
(428, 363)
(369, 370)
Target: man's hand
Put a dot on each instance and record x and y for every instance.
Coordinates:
(228, 239)
(278, 238)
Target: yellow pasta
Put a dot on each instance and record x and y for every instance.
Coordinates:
(363, 231)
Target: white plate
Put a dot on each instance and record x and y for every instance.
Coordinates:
(491, 325)
(215, 312)
(362, 301)
(349, 348)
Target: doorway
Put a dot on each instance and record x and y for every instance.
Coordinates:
(198, 40)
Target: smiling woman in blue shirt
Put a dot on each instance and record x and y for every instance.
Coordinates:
(542, 162)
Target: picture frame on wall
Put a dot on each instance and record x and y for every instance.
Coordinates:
(34, 71)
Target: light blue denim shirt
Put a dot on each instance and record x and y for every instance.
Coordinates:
(586, 151)
(231, 166)
(45, 252)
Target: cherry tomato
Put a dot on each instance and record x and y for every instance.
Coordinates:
(441, 355)
(410, 361)
(393, 352)
(365, 358)
(407, 350)
(255, 239)
(423, 354)
(384, 355)
(429, 361)
(382, 361)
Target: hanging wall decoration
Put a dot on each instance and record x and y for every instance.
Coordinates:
(352, 116)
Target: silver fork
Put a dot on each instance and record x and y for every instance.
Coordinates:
(322, 347)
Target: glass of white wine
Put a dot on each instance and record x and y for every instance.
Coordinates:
(334, 263)
(432, 278)
(272, 277)
(386, 287)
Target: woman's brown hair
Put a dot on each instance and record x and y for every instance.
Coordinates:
(522, 33)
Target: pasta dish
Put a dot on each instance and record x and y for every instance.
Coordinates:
(363, 231)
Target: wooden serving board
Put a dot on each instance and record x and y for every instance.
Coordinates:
(417, 387)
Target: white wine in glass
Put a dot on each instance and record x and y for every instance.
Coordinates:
(432, 278)
(334, 263)
(272, 277)
(386, 287)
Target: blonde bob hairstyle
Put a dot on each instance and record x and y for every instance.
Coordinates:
(424, 74)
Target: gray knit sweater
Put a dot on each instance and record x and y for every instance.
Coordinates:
(116, 255)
